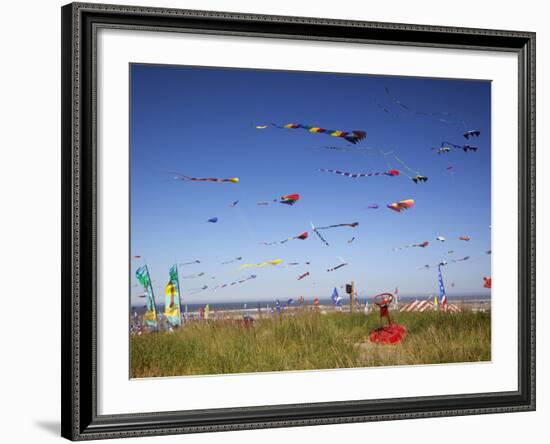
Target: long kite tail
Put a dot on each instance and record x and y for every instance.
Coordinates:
(391, 172)
(319, 235)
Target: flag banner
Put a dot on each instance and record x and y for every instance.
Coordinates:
(442, 295)
(172, 304)
(336, 298)
(150, 316)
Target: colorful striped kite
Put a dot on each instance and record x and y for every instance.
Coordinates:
(401, 205)
(390, 173)
(290, 199)
(351, 136)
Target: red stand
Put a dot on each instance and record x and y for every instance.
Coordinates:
(392, 333)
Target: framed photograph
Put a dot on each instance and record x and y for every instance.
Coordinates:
(278, 221)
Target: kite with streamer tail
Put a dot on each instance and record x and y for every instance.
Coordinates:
(390, 173)
(465, 258)
(233, 260)
(351, 240)
(352, 225)
(337, 267)
(319, 234)
(302, 236)
(421, 245)
(198, 290)
(190, 263)
(303, 275)
(298, 263)
(192, 276)
(261, 264)
(240, 281)
(351, 136)
(205, 179)
(401, 205)
(234, 204)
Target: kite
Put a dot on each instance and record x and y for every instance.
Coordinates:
(373, 207)
(471, 133)
(464, 238)
(262, 202)
(418, 179)
(198, 290)
(190, 263)
(136, 257)
(351, 136)
(352, 225)
(290, 199)
(440, 239)
(487, 282)
(450, 168)
(252, 276)
(351, 240)
(450, 252)
(233, 260)
(390, 173)
(302, 236)
(206, 179)
(261, 264)
(401, 205)
(303, 275)
(319, 234)
(425, 267)
(212, 220)
(343, 264)
(447, 146)
(488, 252)
(297, 263)
(465, 258)
(192, 276)
(234, 204)
(421, 245)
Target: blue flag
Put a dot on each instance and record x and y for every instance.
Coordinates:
(336, 298)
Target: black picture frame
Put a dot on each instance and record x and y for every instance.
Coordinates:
(80, 420)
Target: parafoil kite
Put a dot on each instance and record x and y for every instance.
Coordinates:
(206, 179)
(290, 199)
(390, 173)
(471, 133)
(401, 205)
(351, 136)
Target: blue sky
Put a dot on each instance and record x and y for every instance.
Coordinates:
(201, 122)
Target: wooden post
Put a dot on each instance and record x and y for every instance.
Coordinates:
(352, 297)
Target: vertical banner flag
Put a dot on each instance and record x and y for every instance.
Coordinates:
(172, 308)
(442, 295)
(336, 298)
(206, 311)
(150, 316)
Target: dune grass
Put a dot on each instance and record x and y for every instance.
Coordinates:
(308, 340)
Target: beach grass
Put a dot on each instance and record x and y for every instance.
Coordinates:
(309, 340)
